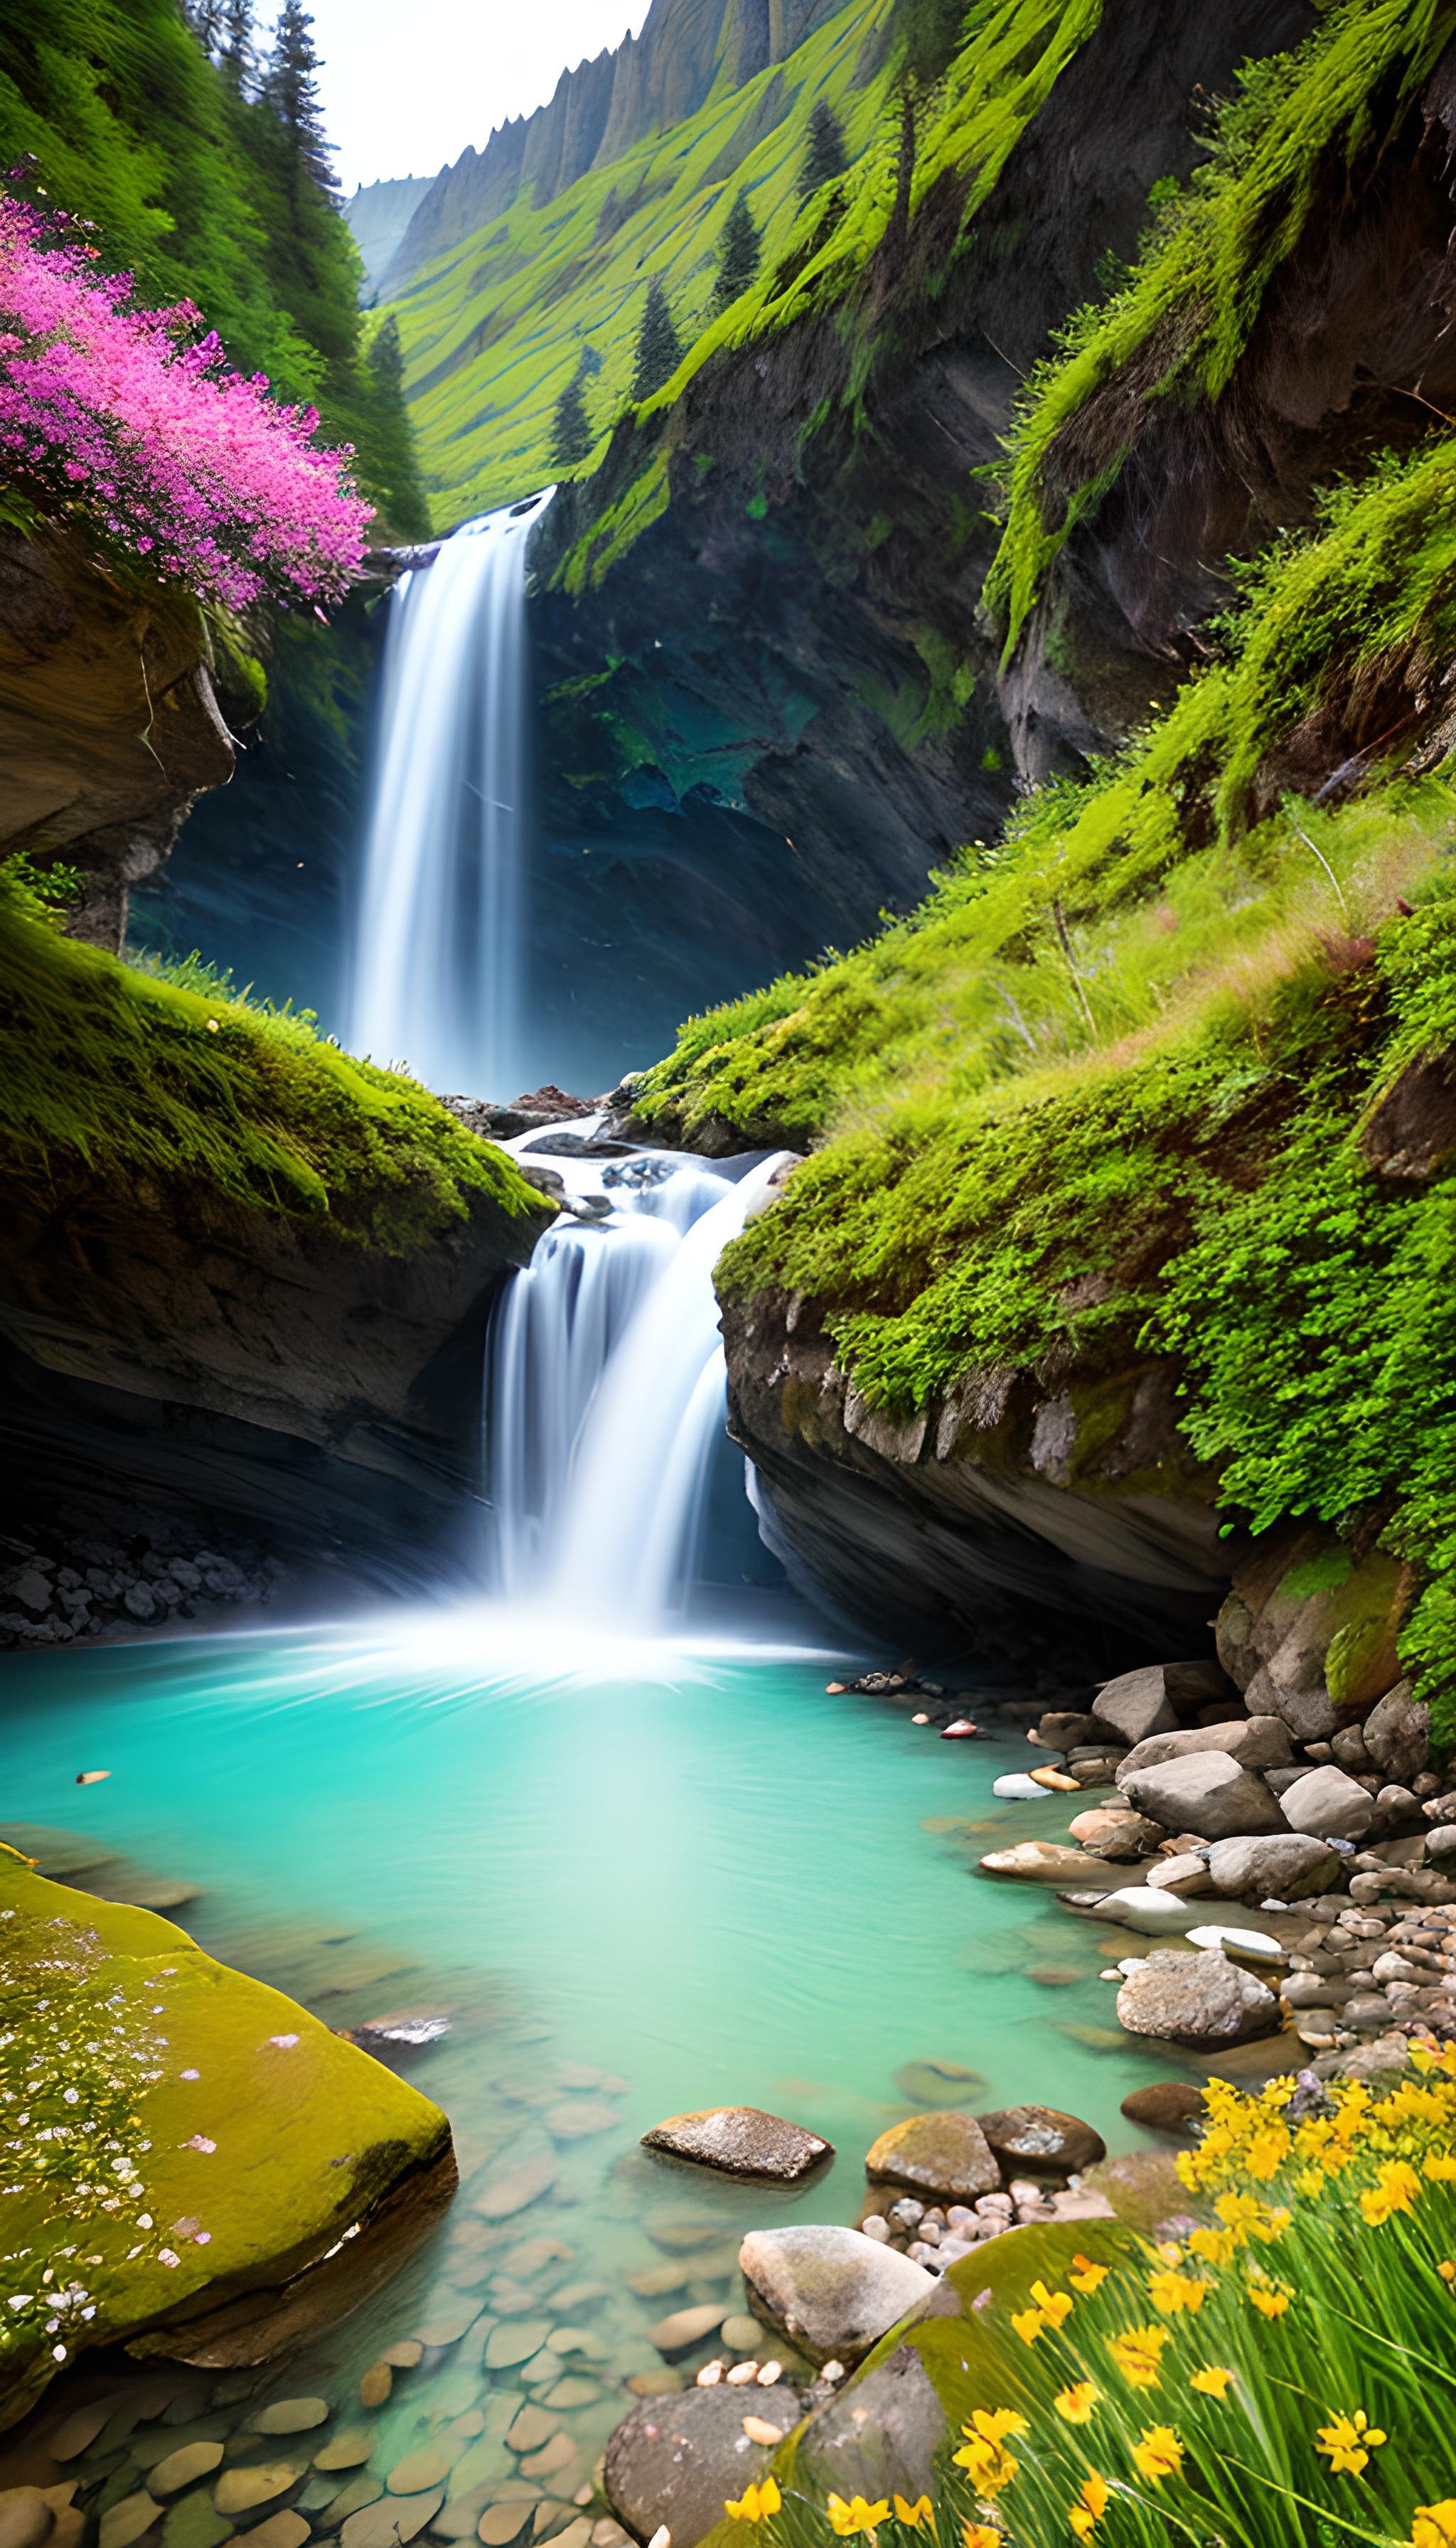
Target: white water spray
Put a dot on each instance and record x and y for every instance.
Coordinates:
(440, 934)
(606, 1399)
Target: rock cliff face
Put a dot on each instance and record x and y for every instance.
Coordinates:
(648, 83)
(109, 727)
(800, 635)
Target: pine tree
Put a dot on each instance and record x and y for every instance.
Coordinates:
(658, 345)
(396, 466)
(205, 17)
(237, 43)
(738, 255)
(292, 90)
(825, 156)
(572, 437)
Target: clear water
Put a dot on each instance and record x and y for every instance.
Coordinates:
(690, 1869)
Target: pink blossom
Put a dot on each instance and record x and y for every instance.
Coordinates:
(127, 419)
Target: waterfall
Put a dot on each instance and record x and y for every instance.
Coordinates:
(606, 1397)
(439, 933)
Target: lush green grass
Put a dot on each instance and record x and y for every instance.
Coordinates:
(148, 1090)
(1103, 1089)
(494, 328)
(1288, 147)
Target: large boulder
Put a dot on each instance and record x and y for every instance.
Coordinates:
(1200, 2000)
(878, 2436)
(1040, 2140)
(832, 2293)
(1397, 1734)
(1158, 1697)
(1205, 1792)
(1309, 1634)
(1329, 1804)
(259, 2142)
(678, 2459)
(1284, 1865)
(944, 2155)
(741, 2140)
(1255, 1741)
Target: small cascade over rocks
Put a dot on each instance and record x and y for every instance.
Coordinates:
(607, 1391)
(440, 934)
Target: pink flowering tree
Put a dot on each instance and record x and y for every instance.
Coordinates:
(130, 422)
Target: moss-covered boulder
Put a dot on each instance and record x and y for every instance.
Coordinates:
(193, 2166)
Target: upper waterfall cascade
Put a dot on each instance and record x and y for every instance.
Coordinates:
(606, 1395)
(440, 934)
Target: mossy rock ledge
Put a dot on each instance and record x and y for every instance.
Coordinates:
(196, 2167)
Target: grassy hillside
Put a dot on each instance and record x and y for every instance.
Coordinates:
(495, 328)
(1109, 1082)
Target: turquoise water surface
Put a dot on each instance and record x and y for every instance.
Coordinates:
(667, 1876)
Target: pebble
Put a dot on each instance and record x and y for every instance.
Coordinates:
(242, 2489)
(515, 2187)
(420, 2470)
(79, 2430)
(406, 2355)
(385, 2523)
(26, 2519)
(686, 2329)
(280, 2530)
(183, 2468)
(577, 2121)
(376, 2385)
(290, 2416)
(353, 2497)
(120, 2524)
(742, 2333)
(506, 2347)
(530, 2428)
(1256, 1946)
(557, 2454)
(1018, 1787)
(453, 2317)
(741, 2373)
(195, 2522)
(348, 2449)
(501, 2523)
(572, 2393)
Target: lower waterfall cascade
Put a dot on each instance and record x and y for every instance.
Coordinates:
(605, 1392)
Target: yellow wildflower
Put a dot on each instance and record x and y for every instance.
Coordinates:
(1215, 2247)
(1086, 2276)
(1075, 2402)
(1395, 2190)
(1269, 2298)
(1237, 2212)
(1447, 2270)
(1212, 2381)
(756, 2503)
(1027, 2323)
(1170, 2293)
(983, 2454)
(1348, 2441)
(1440, 2167)
(980, 2534)
(1159, 2454)
(1090, 2506)
(848, 2520)
(1271, 2223)
(1267, 2152)
(1434, 2524)
(913, 2514)
(1053, 2306)
(1138, 2354)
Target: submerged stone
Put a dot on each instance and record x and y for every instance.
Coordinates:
(943, 2154)
(675, 2462)
(741, 2140)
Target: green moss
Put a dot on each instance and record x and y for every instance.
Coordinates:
(1101, 1095)
(138, 1086)
(169, 2126)
(1303, 123)
(1322, 1574)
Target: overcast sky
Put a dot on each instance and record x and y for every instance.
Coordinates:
(406, 83)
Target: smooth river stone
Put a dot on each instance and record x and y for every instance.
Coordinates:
(742, 2335)
(348, 2449)
(501, 2523)
(353, 2497)
(743, 2142)
(530, 2428)
(79, 2430)
(580, 2119)
(280, 2530)
(513, 2187)
(422, 2470)
(376, 2385)
(406, 2355)
(183, 2468)
(944, 2156)
(26, 2519)
(121, 2523)
(554, 2456)
(686, 2329)
(389, 2522)
(658, 2282)
(514, 2342)
(571, 2392)
(290, 2416)
(452, 2317)
(195, 2522)
(938, 2083)
(242, 2489)
(681, 2231)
